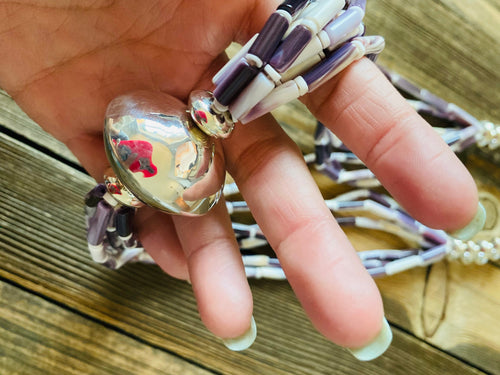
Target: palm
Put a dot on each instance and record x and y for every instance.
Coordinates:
(93, 55)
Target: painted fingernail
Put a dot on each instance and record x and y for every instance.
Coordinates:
(244, 341)
(377, 346)
(471, 229)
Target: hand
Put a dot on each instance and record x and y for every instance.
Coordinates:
(64, 62)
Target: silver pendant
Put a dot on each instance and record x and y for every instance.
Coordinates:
(162, 154)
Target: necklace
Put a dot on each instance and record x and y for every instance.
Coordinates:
(302, 45)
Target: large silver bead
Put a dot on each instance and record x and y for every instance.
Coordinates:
(160, 156)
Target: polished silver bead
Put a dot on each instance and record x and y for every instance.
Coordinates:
(213, 122)
(160, 156)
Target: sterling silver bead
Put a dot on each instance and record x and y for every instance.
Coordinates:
(160, 156)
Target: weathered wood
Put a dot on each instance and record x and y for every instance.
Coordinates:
(42, 248)
(39, 337)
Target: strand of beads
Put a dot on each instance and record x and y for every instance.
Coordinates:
(110, 237)
(302, 45)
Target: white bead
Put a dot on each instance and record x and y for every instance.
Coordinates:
(404, 264)
(257, 90)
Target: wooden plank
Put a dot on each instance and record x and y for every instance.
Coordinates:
(42, 248)
(39, 337)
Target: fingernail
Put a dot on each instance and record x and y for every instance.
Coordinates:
(244, 341)
(377, 346)
(473, 227)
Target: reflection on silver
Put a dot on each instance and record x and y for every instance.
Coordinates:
(160, 156)
(203, 113)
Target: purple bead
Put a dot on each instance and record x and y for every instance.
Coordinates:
(314, 77)
(346, 221)
(332, 171)
(95, 195)
(124, 217)
(435, 101)
(292, 6)
(98, 223)
(269, 37)
(290, 48)
(322, 153)
(234, 84)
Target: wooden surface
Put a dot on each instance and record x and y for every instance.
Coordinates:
(62, 314)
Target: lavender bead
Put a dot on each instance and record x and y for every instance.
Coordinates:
(433, 255)
(98, 223)
(344, 25)
(292, 6)
(269, 37)
(290, 48)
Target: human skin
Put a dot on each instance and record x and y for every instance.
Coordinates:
(63, 61)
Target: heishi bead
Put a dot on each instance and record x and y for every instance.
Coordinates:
(270, 35)
(292, 6)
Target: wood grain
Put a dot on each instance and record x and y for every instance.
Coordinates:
(42, 248)
(39, 337)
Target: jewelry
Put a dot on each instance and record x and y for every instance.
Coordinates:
(112, 241)
(267, 72)
(163, 154)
